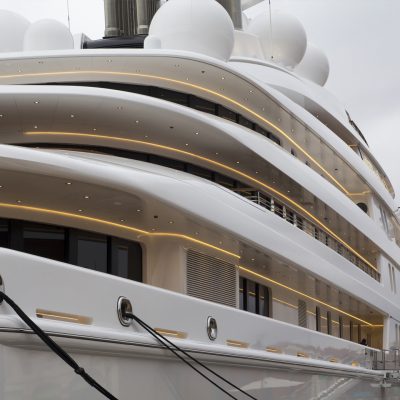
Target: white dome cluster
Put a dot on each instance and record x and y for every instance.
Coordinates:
(201, 26)
(205, 27)
(18, 34)
(284, 42)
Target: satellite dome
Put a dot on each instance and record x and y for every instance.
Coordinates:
(314, 65)
(12, 31)
(48, 34)
(284, 41)
(201, 26)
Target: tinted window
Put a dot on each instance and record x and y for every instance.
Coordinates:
(227, 114)
(202, 105)
(245, 122)
(126, 259)
(4, 233)
(89, 250)
(251, 296)
(204, 173)
(44, 240)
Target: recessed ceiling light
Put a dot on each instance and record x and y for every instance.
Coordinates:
(153, 229)
(68, 183)
(94, 129)
(138, 210)
(109, 60)
(171, 222)
(223, 78)
(35, 126)
(216, 153)
(196, 133)
(237, 162)
(86, 197)
(36, 101)
(256, 172)
(72, 116)
(186, 144)
(253, 259)
(1, 115)
(19, 201)
(146, 136)
(137, 121)
(80, 210)
(1, 186)
(122, 220)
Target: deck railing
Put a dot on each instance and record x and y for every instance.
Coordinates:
(387, 360)
(288, 214)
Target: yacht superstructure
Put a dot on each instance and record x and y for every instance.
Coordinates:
(208, 178)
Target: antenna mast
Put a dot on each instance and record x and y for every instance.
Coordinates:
(69, 20)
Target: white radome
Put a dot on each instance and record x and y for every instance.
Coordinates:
(201, 26)
(12, 31)
(48, 34)
(314, 65)
(284, 43)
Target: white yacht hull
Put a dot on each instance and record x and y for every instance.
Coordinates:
(34, 374)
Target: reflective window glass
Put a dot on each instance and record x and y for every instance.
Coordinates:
(226, 114)
(126, 259)
(251, 296)
(91, 251)
(202, 105)
(44, 240)
(4, 233)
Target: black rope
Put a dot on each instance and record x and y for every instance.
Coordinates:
(158, 336)
(55, 347)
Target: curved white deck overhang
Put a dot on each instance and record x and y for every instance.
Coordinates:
(186, 72)
(97, 109)
(251, 226)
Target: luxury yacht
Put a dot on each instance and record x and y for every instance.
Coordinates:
(187, 213)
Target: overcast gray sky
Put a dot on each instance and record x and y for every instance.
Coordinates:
(360, 38)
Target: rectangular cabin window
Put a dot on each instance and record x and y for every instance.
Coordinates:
(167, 162)
(245, 122)
(251, 297)
(254, 298)
(202, 105)
(199, 171)
(352, 336)
(170, 95)
(318, 319)
(89, 250)
(329, 322)
(225, 181)
(226, 114)
(242, 291)
(263, 301)
(302, 313)
(126, 259)
(44, 240)
(384, 219)
(4, 233)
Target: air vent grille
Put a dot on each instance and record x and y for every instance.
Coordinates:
(211, 279)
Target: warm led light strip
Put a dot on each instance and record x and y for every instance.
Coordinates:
(193, 86)
(116, 225)
(265, 278)
(168, 332)
(237, 343)
(59, 316)
(210, 161)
